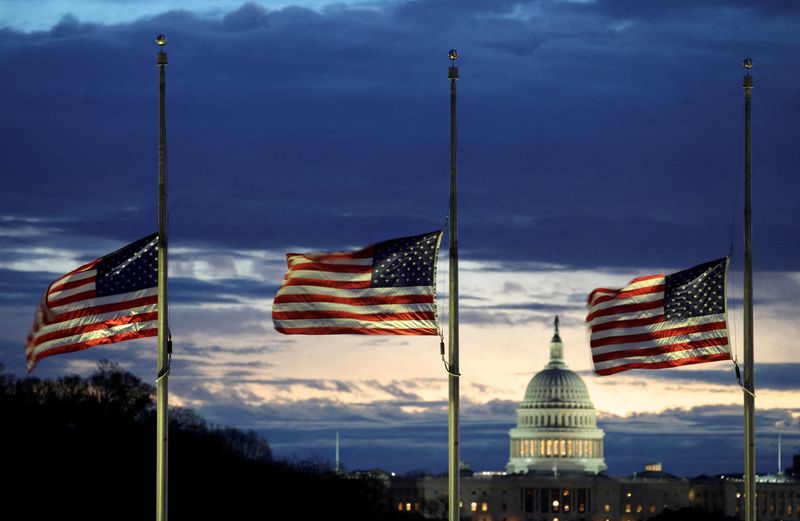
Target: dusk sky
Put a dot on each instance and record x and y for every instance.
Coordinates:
(598, 141)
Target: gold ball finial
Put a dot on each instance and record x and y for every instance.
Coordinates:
(161, 40)
(747, 63)
(453, 54)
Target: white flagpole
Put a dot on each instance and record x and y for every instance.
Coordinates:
(749, 396)
(164, 341)
(453, 374)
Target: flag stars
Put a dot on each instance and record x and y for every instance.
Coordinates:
(130, 269)
(405, 262)
(695, 292)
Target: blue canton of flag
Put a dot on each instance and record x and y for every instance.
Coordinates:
(409, 261)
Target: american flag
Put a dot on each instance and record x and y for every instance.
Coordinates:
(660, 321)
(384, 289)
(108, 300)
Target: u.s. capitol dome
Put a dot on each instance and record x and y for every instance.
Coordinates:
(556, 422)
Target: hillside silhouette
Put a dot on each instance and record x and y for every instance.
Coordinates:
(84, 448)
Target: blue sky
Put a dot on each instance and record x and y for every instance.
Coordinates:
(598, 141)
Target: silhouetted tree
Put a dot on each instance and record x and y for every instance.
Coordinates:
(120, 391)
(84, 448)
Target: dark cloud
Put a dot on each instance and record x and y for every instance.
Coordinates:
(399, 391)
(210, 351)
(184, 290)
(773, 377)
(250, 17)
(537, 306)
(21, 286)
(362, 116)
(702, 440)
(312, 383)
(659, 10)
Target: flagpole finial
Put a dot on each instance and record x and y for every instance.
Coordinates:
(748, 80)
(452, 73)
(161, 57)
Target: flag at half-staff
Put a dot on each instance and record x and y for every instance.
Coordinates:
(660, 321)
(387, 288)
(111, 299)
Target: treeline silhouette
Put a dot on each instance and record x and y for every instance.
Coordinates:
(84, 449)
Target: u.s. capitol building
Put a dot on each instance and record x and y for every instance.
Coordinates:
(556, 471)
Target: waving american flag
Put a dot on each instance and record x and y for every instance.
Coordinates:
(108, 300)
(387, 288)
(660, 321)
